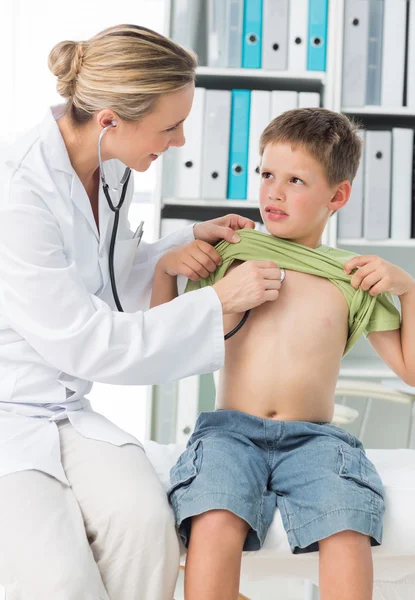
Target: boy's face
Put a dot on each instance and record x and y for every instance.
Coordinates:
(295, 197)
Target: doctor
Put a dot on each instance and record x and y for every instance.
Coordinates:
(82, 513)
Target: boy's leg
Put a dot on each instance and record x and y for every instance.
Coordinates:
(331, 499)
(212, 568)
(346, 567)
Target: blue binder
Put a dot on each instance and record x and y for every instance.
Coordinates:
(239, 145)
(317, 35)
(252, 35)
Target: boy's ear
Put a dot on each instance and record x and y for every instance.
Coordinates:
(341, 196)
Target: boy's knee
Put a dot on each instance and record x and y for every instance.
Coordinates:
(219, 521)
(347, 537)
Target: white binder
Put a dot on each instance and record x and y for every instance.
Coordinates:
(350, 217)
(374, 61)
(281, 101)
(298, 36)
(217, 33)
(355, 52)
(215, 153)
(234, 21)
(183, 166)
(402, 167)
(393, 53)
(377, 185)
(275, 35)
(308, 100)
(411, 57)
(185, 20)
(259, 118)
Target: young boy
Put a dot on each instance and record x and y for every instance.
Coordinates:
(270, 443)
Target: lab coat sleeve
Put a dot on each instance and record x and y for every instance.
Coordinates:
(137, 291)
(46, 301)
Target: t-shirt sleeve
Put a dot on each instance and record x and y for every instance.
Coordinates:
(385, 315)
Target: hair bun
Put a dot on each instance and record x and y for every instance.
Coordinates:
(65, 61)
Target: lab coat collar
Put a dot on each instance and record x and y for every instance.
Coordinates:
(59, 160)
(52, 139)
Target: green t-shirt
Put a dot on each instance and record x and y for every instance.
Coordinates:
(366, 313)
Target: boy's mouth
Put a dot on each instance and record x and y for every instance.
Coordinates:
(275, 214)
(273, 210)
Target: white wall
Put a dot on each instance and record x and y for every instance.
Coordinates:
(27, 87)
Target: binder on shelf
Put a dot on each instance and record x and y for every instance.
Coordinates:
(402, 168)
(235, 21)
(185, 22)
(317, 35)
(297, 36)
(239, 144)
(377, 185)
(252, 35)
(217, 33)
(374, 63)
(393, 52)
(350, 217)
(275, 35)
(411, 57)
(308, 100)
(259, 118)
(281, 101)
(183, 166)
(215, 153)
(355, 52)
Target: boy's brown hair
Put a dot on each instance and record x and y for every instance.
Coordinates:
(330, 137)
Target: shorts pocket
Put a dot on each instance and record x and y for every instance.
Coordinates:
(354, 464)
(185, 470)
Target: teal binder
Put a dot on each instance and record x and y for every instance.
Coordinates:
(317, 35)
(239, 145)
(252, 35)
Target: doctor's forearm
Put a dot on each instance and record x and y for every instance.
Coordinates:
(164, 288)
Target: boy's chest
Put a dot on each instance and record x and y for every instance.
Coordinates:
(309, 311)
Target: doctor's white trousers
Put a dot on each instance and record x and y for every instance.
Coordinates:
(110, 536)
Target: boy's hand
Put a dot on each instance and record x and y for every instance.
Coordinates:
(375, 275)
(222, 228)
(193, 260)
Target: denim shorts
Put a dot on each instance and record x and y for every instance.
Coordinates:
(317, 474)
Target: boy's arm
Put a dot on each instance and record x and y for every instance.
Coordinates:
(194, 260)
(164, 287)
(396, 348)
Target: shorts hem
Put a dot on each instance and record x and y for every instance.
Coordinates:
(218, 501)
(305, 538)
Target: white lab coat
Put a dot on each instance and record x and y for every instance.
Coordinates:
(59, 328)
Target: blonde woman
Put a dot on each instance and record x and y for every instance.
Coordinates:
(82, 513)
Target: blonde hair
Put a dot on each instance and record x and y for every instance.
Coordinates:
(330, 137)
(125, 68)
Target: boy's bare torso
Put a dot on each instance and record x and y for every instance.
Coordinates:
(284, 363)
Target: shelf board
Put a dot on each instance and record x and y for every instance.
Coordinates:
(386, 111)
(377, 243)
(311, 76)
(210, 203)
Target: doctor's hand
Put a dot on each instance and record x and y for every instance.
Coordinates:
(249, 285)
(222, 228)
(194, 260)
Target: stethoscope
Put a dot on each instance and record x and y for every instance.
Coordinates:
(139, 232)
(116, 210)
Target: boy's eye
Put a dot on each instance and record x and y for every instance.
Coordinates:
(266, 175)
(172, 128)
(296, 180)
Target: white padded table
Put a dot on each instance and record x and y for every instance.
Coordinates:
(394, 560)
